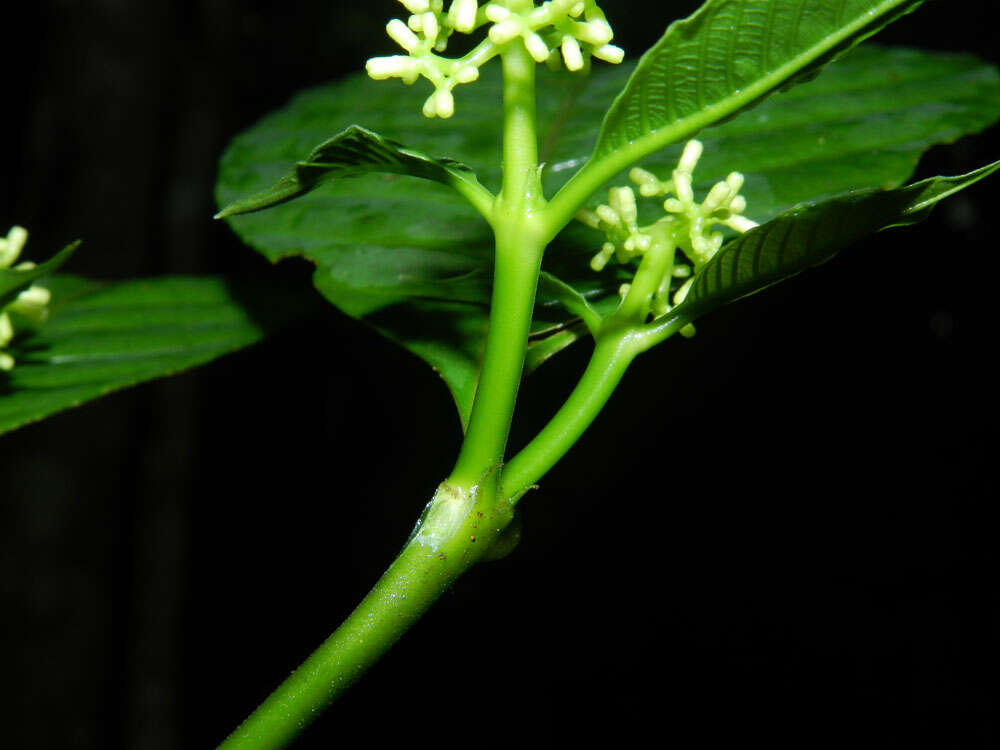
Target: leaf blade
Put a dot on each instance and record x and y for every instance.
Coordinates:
(379, 245)
(650, 113)
(811, 235)
(351, 153)
(104, 337)
(13, 281)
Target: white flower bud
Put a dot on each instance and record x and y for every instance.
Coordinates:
(622, 200)
(597, 33)
(682, 187)
(462, 15)
(401, 35)
(689, 159)
(12, 245)
(738, 205)
(6, 329)
(537, 48)
(599, 261)
(497, 13)
(33, 303)
(416, 6)
(468, 74)
(416, 23)
(440, 104)
(430, 106)
(609, 216)
(717, 197)
(609, 53)
(741, 224)
(681, 293)
(504, 31)
(6, 362)
(34, 296)
(400, 66)
(430, 26)
(572, 54)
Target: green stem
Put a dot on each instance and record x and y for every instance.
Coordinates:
(614, 351)
(452, 535)
(656, 263)
(519, 249)
(612, 356)
(467, 514)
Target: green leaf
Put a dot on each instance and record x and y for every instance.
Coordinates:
(102, 337)
(13, 281)
(728, 56)
(810, 235)
(415, 261)
(352, 153)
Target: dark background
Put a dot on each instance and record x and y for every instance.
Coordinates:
(781, 531)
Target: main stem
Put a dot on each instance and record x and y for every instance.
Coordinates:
(520, 243)
(468, 512)
(439, 552)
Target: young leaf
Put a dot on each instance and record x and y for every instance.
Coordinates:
(810, 235)
(103, 337)
(352, 153)
(13, 281)
(728, 56)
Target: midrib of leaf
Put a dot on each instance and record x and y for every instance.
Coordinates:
(605, 164)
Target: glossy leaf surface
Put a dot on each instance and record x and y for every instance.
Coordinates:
(811, 235)
(103, 337)
(728, 56)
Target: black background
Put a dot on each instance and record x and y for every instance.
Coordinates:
(781, 531)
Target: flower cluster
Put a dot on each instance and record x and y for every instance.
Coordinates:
(688, 225)
(32, 302)
(570, 30)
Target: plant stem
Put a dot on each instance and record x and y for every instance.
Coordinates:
(519, 249)
(612, 356)
(467, 513)
(454, 532)
(615, 349)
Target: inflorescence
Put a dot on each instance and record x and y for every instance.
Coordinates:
(572, 31)
(687, 226)
(31, 303)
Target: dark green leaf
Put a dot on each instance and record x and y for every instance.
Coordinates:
(810, 235)
(13, 281)
(102, 337)
(352, 153)
(415, 260)
(728, 56)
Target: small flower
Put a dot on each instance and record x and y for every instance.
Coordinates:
(31, 303)
(542, 29)
(687, 225)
